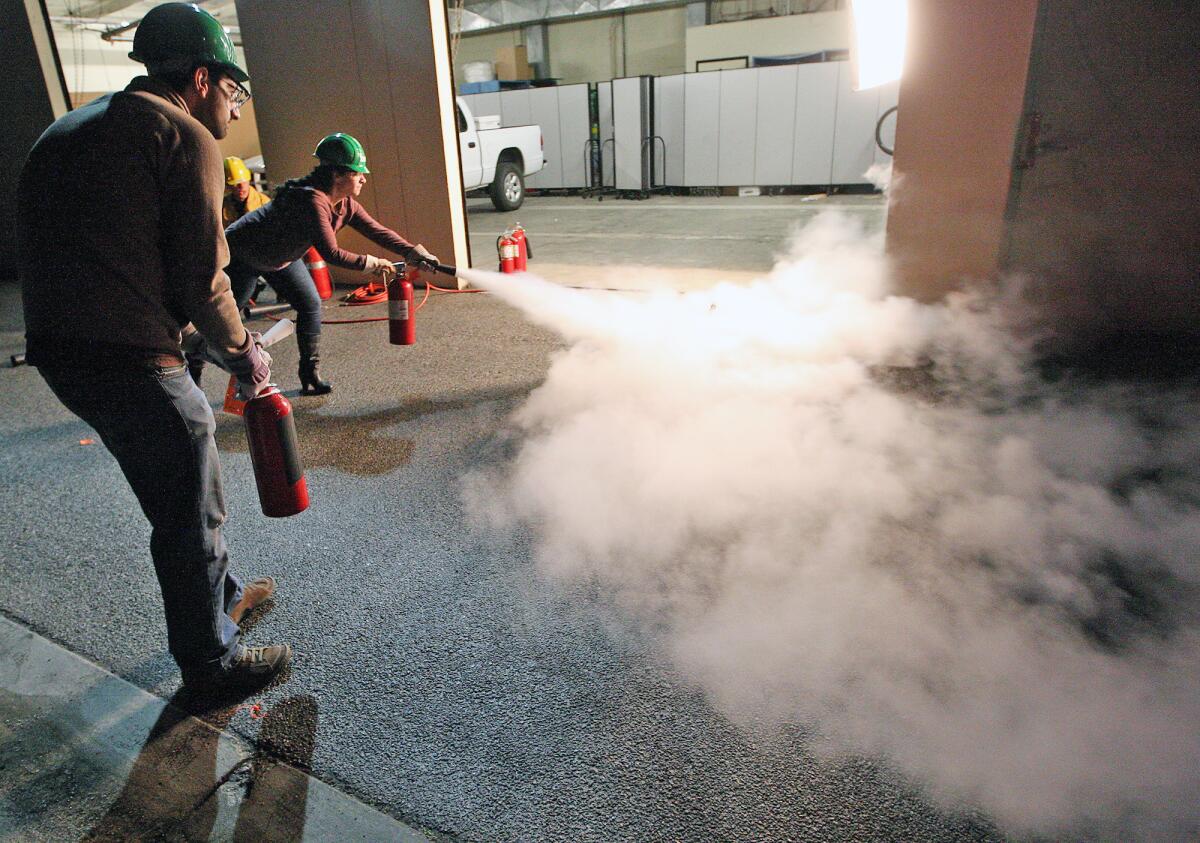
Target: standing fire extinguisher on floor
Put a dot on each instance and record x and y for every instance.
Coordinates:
(507, 249)
(402, 324)
(524, 248)
(319, 272)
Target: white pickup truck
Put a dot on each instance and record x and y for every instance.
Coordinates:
(498, 159)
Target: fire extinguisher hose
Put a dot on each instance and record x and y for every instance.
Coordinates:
(375, 292)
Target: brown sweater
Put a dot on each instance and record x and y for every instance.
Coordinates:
(119, 234)
(301, 216)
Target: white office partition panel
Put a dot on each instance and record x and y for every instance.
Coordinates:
(605, 108)
(628, 132)
(775, 125)
(574, 130)
(515, 109)
(739, 118)
(482, 105)
(543, 108)
(854, 129)
(701, 128)
(668, 124)
(816, 111)
(889, 95)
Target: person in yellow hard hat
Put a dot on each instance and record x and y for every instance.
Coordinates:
(241, 197)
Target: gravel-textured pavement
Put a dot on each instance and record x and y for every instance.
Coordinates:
(454, 688)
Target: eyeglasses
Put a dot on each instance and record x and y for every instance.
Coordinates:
(238, 97)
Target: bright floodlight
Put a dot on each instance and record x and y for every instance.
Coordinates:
(877, 50)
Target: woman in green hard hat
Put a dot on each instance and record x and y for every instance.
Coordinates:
(308, 212)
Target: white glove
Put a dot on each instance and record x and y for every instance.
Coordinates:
(424, 254)
(379, 266)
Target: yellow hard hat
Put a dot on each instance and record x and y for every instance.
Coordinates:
(236, 171)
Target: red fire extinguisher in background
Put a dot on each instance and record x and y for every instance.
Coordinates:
(319, 272)
(402, 323)
(508, 249)
(275, 454)
(524, 249)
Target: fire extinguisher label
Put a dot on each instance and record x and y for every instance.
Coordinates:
(398, 310)
(507, 251)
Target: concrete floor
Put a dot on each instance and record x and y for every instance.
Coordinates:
(446, 683)
(689, 242)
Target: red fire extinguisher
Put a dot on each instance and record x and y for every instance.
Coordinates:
(402, 323)
(319, 272)
(507, 248)
(275, 454)
(524, 249)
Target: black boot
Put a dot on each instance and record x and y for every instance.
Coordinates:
(310, 359)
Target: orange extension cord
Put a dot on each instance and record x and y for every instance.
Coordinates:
(375, 292)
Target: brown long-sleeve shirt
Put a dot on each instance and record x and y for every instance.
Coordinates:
(301, 216)
(119, 234)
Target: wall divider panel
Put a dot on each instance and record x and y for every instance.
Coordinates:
(668, 124)
(701, 128)
(515, 109)
(775, 126)
(574, 131)
(543, 108)
(738, 125)
(816, 109)
(628, 132)
(772, 126)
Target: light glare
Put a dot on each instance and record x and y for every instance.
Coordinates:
(880, 28)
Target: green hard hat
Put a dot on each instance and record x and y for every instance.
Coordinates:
(181, 36)
(342, 150)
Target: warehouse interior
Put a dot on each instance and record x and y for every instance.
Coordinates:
(832, 474)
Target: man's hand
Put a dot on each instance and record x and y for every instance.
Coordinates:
(379, 266)
(192, 341)
(251, 366)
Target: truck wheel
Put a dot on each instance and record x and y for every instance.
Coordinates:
(508, 188)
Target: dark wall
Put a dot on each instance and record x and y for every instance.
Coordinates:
(1105, 208)
(28, 107)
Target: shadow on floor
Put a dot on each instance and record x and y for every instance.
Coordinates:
(338, 441)
(173, 792)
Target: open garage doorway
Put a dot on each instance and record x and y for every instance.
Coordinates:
(684, 145)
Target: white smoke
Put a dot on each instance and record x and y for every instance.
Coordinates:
(873, 517)
(880, 175)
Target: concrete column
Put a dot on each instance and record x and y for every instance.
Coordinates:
(379, 70)
(964, 81)
(33, 96)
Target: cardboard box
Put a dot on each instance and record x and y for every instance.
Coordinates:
(512, 63)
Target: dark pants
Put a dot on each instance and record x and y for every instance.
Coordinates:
(293, 284)
(158, 425)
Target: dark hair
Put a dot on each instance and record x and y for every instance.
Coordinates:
(179, 80)
(323, 175)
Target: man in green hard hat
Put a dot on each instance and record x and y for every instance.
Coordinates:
(121, 261)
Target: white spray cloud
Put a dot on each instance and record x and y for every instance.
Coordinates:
(870, 516)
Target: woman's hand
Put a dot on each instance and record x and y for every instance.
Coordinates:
(423, 254)
(379, 266)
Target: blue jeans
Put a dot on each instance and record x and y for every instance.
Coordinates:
(158, 425)
(293, 284)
